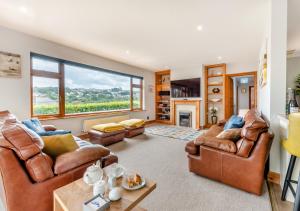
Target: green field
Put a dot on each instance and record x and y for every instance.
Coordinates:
(44, 109)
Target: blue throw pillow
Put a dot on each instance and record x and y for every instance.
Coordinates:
(34, 124)
(234, 122)
(52, 133)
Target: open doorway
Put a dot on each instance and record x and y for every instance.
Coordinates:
(240, 92)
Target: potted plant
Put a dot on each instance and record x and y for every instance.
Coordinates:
(297, 88)
(213, 114)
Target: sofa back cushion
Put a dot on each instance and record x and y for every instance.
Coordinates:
(40, 167)
(254, 126)
(24, 141)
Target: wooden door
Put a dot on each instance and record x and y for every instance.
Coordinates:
(251, 97)
(229, 98)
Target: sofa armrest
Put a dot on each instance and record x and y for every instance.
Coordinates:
(191, 148)
(85, 154)
(216, 143)
(49, 127)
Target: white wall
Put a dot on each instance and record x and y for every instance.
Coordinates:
(293, 69)
(272, 96)
(15, 93)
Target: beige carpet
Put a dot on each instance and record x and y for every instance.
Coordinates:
(164, 160)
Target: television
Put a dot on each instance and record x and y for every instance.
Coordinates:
(186, 88)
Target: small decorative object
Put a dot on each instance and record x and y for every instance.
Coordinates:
(213, 113)
(10, 65)
(97, 203)
(150, 88)
(243, 90)
(99, 188)
(115, 194)
(112, 181)
(93, 174)
(215, 90)
(215, 100)
(292, 103)
(116, 170)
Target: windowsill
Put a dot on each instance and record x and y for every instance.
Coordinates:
(101, 113)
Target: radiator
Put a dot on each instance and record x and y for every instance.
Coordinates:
(89, 123)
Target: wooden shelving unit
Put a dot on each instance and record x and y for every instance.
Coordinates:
(162, 96)
(214, 77)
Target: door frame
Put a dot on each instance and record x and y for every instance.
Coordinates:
(254, 74)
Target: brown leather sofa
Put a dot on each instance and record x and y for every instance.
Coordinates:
(29, 176)
(240, 164)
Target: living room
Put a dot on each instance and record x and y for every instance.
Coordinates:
(145, 105)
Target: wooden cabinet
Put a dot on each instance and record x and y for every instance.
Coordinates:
(214, 86)
(162, 96)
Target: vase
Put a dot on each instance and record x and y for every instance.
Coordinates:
(214, 119)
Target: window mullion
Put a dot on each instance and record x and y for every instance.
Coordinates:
(131, 94)
(62, 90)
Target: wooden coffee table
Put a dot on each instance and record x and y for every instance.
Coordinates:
(72, 196)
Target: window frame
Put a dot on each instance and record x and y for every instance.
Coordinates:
(60, 75)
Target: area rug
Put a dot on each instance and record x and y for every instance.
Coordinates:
(181, 133)
(164, 160)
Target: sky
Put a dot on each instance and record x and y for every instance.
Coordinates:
(79, 77)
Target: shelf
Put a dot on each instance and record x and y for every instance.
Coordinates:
(220, 93)
(162, 114)
(219, 84)
(214, 76)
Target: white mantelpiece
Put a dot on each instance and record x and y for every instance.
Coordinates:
(186, 105)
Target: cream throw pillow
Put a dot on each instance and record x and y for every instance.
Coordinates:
(233, 134)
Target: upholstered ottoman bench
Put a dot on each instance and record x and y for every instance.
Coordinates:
(107, 134)
(133, 127)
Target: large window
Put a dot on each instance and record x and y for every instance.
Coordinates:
(61, 88)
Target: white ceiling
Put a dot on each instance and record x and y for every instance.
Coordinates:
(294, 26)
(157, 33)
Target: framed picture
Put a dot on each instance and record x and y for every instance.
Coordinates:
(10, 65)
(263, 68)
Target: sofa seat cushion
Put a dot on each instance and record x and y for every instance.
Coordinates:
(59, 144)
(191, 148)
(213, 131)
(108, 127)
(40, 167)
(216, 143)
(86, 153)
(133, 123)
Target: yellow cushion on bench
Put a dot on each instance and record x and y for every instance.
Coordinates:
(108, 127)
(132, 123)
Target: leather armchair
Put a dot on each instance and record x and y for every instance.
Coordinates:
(243, 167)
(28, 176)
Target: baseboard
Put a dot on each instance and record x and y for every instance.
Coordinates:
(148, 122)
(274, 177)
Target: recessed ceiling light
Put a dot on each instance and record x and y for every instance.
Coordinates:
(127, 52)
(199, 27)
(23, 9)
(219, 57)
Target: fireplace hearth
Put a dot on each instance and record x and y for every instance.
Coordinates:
(185, 118)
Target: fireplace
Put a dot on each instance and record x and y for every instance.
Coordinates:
(185, 118)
